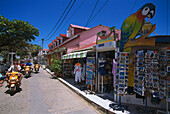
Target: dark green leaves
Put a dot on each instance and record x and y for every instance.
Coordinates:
(14, 34)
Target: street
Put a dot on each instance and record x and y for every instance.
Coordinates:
(40, 94)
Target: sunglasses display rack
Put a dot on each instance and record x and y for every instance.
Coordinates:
(90, 72)
(122, 72)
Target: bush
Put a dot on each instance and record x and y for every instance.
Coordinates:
(57, 66)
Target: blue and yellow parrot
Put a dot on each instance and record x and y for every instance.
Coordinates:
(133, 24)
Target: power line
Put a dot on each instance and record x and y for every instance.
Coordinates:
(133, 6)
(72, 14)
(62, 20)
(92, 13)
(59, 19)
(98, 11)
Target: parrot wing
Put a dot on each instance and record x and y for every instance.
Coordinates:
(127, 29)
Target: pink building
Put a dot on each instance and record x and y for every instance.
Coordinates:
(78, 38)
(87, 39)
(81, 37)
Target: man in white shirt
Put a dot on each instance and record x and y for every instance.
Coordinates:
(15, 68)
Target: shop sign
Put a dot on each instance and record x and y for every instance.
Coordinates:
(109, 39)
(107, 45)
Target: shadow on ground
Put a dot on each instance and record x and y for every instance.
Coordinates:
(13, 93)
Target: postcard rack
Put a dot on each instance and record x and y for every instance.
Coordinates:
(122, 73)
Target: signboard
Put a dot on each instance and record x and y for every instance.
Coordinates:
(106, 46)
(109, 39)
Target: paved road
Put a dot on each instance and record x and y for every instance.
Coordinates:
(42, 95)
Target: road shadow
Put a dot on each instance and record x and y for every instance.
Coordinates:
(35, 72)
(18, 90)
(27, 77)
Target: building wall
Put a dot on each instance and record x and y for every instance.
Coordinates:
(88, 37)
(76, 31)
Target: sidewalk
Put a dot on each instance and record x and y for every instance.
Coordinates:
(102, 101)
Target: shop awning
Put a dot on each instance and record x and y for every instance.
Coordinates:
(81, 54)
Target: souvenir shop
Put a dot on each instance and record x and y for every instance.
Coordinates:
(105, 54)
(144, 73)
(74, 65)
(81, 66)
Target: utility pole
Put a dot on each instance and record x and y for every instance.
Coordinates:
(42, 49)
(42, 42)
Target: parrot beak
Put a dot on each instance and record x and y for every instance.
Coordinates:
(152, 8)
(151, 14)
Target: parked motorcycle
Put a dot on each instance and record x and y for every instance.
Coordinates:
(36, 68)
(13, 81)
(27, 71)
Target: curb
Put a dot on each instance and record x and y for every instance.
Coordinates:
(77, 91)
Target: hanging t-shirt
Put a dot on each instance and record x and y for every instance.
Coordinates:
(102, 70)
(114, 71)
(114, 68)
(83, 72)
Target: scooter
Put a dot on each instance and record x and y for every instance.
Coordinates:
(36, 68)
(13, 81)
(27, 71)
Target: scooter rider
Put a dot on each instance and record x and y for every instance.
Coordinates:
(15, 68)
(36, 62)
(28, 63)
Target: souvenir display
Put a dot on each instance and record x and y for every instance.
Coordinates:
(67, 69)
(90, 71)
(146, 72)
(122, 72)
(163, 73)
(139, 78)
(168, 74)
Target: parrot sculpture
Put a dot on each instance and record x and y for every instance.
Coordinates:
(131, 27)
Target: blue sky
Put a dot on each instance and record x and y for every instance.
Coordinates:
(44, 14)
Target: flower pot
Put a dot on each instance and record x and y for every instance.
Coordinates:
(61, 75)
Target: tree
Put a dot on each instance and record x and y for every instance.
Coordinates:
(15, 34)
(34, 48)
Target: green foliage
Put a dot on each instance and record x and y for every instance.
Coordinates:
(98, 33)
(34, 48)
(112, 28)
(57, 65)
(15, 34)
(22, 53)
